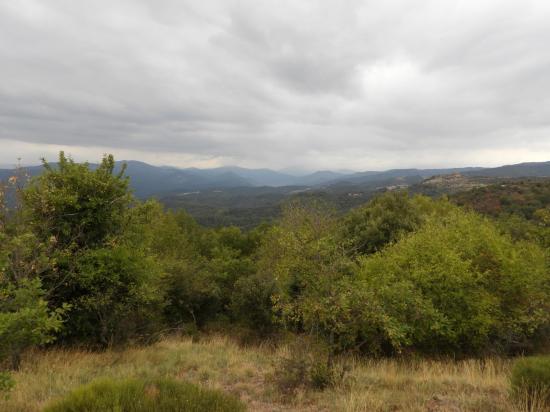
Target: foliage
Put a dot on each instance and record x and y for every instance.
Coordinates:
(306, 365)
(397, 274)
(380, 222)
(74, 206)
(107, 278)
(519, 228)
(200, 290)
(542, 216)
(252, 303)
(200, 266)
(139, 395)
(520, 206)
(192, 292)
(531, 378)
(385, 219)
(6, 383)
(25, 320)
(22, 255)
(115, 296)
(304, 259)
(454, 285)
(458, 286)
(522, 197)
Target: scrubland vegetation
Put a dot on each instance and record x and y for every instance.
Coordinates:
(219, 363)
(404, 303)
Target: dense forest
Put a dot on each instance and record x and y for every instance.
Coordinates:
(82, 262)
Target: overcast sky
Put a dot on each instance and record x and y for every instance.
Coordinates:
(311, 84)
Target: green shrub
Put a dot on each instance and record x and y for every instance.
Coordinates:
(308, 365)
(456, 286)
(6, 384)
(76, 206)
(138, 395)
(252, 304)
(80, 214)
(530, 379)
(115, 296)
(25, 320)
(380, 222)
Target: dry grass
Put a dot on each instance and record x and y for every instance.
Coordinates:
(218, 362)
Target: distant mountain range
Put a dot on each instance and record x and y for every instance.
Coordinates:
(147, 180)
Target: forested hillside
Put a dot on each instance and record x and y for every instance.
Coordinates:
(523, 197)
(83, 263)
(247, 197)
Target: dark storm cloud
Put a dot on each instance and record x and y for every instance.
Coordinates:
(363, 84)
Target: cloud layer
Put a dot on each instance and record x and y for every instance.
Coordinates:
(311, 84)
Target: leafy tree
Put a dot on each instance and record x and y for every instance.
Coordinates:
(193, 294)
(115, 296)
(304, 259)
(200, 266)
(107, 278)
(252, 303)
(398, 274)
(175, 242)
(542, 216)
(522, 197)
(459, 286)
(520, 228)
(25, 319)
(455, 284)
(77, 207)
(385, 219)
(200, 283)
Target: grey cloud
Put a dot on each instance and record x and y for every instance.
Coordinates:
(279, 83)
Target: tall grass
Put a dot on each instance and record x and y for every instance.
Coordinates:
(142, 395)
(530, 381)
(219, 363)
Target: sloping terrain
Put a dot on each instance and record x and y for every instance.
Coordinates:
(511, 196)
(371, 385)
(530, 169)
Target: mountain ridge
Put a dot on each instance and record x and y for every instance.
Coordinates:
(149, 180)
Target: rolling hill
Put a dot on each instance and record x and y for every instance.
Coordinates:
(532, 169)
(245, 197)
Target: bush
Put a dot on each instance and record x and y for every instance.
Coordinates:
(252, 304)
(80, 215)
(530, 379)
(383, 220)
(6, 384)
(114, 296)
(25, 320)
(75, 205)
(139, 395)
(456, 286)
(192, 293)
(303, 258)
(307, 365)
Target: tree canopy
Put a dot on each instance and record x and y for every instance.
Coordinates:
(82, 262)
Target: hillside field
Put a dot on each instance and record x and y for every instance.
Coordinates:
(219, 362)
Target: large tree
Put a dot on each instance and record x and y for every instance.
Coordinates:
(111, 283)
(77, 206)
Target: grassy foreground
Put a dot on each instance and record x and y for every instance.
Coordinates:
(218, 362)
